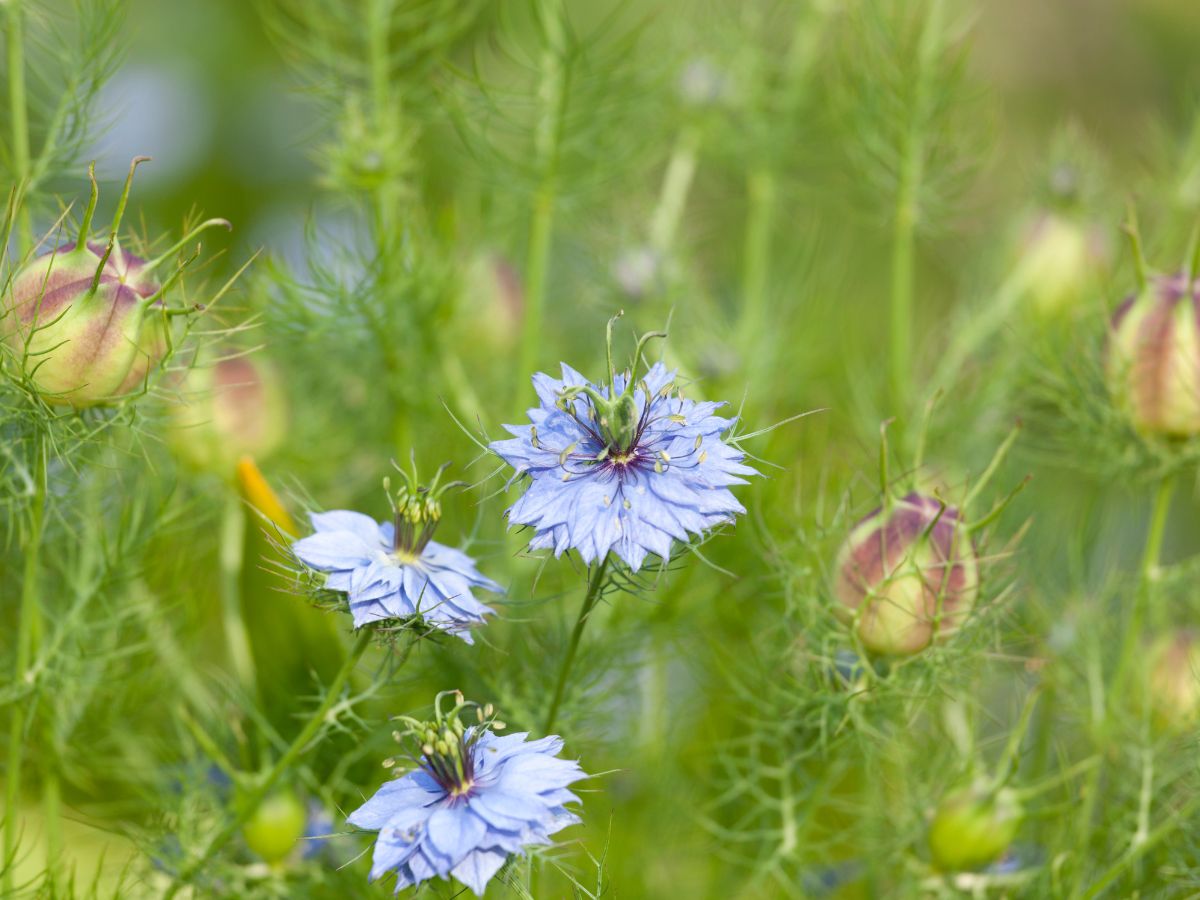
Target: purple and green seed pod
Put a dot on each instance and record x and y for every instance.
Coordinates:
(233, 408)
(1153, 358)
(78, 334)
(76, 317)
(907, 575)
(972, 828)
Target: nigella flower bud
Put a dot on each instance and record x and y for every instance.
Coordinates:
(76, 316)
(972, 828)
(1153, 359)
(907, 574)
(1175, 681)
(230, 409)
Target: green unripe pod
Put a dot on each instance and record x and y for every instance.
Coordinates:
(972, 828)
(1174, 688)
(1060, 256)
(276, 826)
(233, 408)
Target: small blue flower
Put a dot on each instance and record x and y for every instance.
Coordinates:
(628, 468)
(476, 799)
(391, 570)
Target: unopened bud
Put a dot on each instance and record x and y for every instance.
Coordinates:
(907, 575)
(972, 828)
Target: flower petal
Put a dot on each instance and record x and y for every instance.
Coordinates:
(454, 831)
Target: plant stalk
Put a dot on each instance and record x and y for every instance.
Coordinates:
(595, 588)
(28, 626)
(547, 140)
(250, 803)
(18, 108)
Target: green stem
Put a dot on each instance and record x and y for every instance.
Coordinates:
(595, 587)
(233, 530)
(547, 139)
(18, 107)
(27, 629)
(760, 187)
(1147, 573)
(1137, 851)
(251, 801)
(677, 184)
(912, 169)
(1132, 639)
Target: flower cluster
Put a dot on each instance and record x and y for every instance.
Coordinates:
(474, 799)
(628, 467)
(395, 570)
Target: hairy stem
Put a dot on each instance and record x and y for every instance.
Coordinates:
(595, 588)
(677, 183)
(547, 139)
(1147, 572)
(266, 783)
(27, 628)
(18, 107)
(233, 531)
(760, 186)
(912, 171)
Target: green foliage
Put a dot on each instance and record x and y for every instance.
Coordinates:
(831, 208)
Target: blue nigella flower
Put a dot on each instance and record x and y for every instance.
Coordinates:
(628, 467)
(476, 799)
(394, 570)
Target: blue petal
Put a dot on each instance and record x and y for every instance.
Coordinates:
(506, 811)
(477, 869)
(363, 527)
(332, 550)
(454, 831)
(402, 793)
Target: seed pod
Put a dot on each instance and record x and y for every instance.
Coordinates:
(76, 316)
(907, 575)
(1175, 681)
(275, 827)
(1060, 256)
(1153, 358)
(78, 334)
(231, 409)
(972, 828)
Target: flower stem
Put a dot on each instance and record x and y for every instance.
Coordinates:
(760, 185)
(15, 46)
(677, 183)
(912, 166)
(595, 588)
(1147, 573)
(27, 629)
(547, 139)
(1132, 638)
(233, 531)
(251, 801)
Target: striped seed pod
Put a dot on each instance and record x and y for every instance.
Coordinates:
(907, 575)
(1153, 358)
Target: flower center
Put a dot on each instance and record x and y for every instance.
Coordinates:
(448, 756)
(415, 520)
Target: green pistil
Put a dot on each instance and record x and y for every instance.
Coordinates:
(446, 746)
(616, 416)
(416, 511)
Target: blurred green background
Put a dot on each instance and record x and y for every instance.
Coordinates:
(733, 768)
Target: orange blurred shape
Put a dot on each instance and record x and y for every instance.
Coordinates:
(255, 491)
